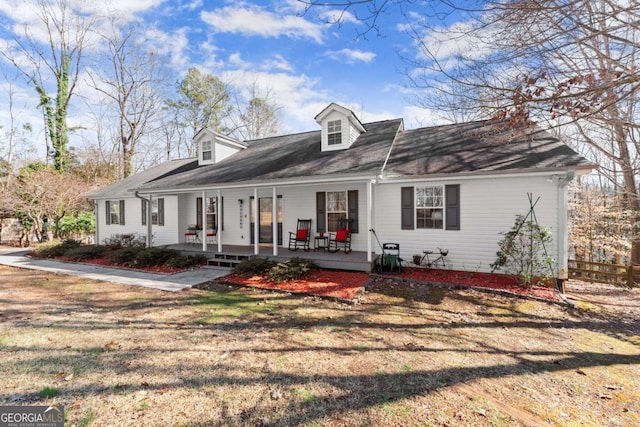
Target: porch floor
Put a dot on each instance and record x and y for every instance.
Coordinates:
(353, 261)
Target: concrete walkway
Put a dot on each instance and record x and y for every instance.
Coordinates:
(173, 282)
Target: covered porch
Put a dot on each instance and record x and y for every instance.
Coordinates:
(230, 255)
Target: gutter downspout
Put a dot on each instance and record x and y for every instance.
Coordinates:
(149, 228)
(96, 209)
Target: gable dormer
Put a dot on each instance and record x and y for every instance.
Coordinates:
(214, 147)
(340, 127)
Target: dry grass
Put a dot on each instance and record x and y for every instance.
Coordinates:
(120, 356)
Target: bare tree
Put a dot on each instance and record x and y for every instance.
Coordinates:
(203, 102)
(45, 196)
(57, 55)
(259, 117)
(132, 83)
(565, 62)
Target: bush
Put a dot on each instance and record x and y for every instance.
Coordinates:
(522, 252)
(294, 268)
(56, 248)
(83, 253)
(154, 256)
(124, 256)
(186, 261)
(253, 267)
(126, 240)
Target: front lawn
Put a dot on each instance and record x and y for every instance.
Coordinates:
(119, 355)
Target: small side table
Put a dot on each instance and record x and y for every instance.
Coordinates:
(321, 242)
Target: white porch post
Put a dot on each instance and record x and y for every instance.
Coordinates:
(218, 230)
(256, 223)
(203, 215)
(563, 229)
(149, 225)
(369, 219)
(274, 221)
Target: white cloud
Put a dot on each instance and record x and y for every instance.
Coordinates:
(277, 62)
(174, 45)
(351, 56)
(255, 21)
(338, 17)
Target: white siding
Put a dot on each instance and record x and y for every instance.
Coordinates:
(222, 151)
(488, 207)
(162, 235)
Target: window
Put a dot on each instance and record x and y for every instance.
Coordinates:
(207, 153)
(114, 212)
(212, 223)
(333, 206)
(429, 207)
(157, 212)
(336, 208)
(334, 132)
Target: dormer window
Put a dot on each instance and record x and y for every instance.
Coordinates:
(207, 150)
(334, 132)
(340, 128)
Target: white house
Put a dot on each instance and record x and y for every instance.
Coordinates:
(456, 187)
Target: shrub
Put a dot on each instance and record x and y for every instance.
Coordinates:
(56, 248)
(126, 240)
(253, 267)
(154, 256)
(294, 268)
(522, 252)
(124, 256)
(186, 261)
(82, 253)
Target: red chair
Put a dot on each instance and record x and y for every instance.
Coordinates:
(212, 236)
(191, 235)
(301, 237)
(341, 239)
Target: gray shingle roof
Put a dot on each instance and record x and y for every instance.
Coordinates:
(459, 148)
(123, 188)
(290, 157)
(478, 147)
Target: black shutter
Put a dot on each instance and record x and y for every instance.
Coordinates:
(407, 208)
(221, 220)
(199, 212)
(143, 203)
(160, 211)
(321, 212)
(121, 212)
(352, 202)
(107, 204)
(452, 201)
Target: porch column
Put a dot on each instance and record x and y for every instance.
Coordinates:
(218, 229)
(256, 222)
(149, 225)
(274, 220)
(203, 215)
(369, 219)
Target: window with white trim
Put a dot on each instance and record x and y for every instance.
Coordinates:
(336, 208)
(334, 132)
(114, 212)
(429, 207)
(207, 150)
(212, 223)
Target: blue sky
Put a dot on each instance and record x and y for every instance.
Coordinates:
(304, 62)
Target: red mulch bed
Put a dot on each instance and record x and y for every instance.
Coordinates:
(104, 262)
(501, 282)
(346, 285)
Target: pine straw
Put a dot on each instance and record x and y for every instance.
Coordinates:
(125, 356)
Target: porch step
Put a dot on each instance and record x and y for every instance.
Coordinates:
(227, 260)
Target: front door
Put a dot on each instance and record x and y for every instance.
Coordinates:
(265, 219)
